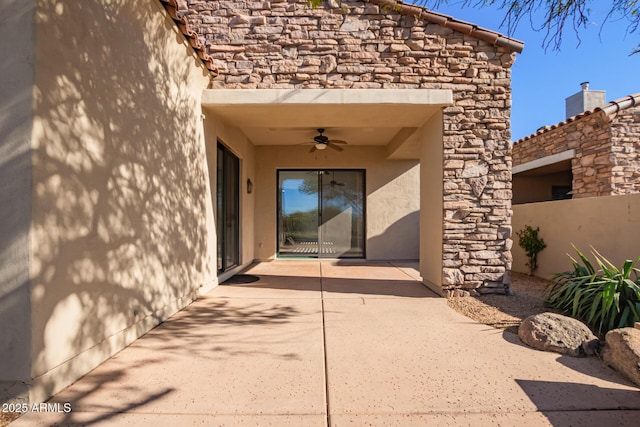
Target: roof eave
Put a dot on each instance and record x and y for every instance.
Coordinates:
(452, 23)
(173, 9)
(611, 108)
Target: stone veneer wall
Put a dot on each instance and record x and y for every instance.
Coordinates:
(625, 136)
(284, 44)
(590, 136)
(607, 160)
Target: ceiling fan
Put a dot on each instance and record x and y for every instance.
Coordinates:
(333, 181)
(320, 142)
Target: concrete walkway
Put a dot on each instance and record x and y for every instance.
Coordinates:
(340, 344)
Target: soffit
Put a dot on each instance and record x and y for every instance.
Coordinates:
(385, 117)
(553, 168)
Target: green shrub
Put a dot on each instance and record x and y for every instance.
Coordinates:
(605, 299)
(532, 244)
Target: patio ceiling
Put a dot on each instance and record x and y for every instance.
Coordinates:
(386, 117)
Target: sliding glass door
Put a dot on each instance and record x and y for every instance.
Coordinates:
(227, 209)
(321, 213)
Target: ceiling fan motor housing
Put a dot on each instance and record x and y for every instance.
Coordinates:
(321, 139)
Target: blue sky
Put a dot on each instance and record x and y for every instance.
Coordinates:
(293, 200)
(541, 80)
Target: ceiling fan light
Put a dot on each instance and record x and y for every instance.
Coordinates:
(320, 146)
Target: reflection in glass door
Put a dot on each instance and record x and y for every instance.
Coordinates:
(321, 213)
(227, 209)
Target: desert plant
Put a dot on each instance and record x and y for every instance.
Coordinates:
(532, 244)
(605, 299)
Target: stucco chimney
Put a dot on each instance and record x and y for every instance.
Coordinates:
(584, 100)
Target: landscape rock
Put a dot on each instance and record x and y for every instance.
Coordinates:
(558, 333)
(622, 352)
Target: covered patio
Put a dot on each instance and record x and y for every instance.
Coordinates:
(337, 342)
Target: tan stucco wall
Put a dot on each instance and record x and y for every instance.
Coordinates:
(120, 188)
(431, 204)
(529, 189)
(610, 224)
(236, 141)
(392, 196)
(16, 119)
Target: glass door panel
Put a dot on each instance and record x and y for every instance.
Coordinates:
(232, 210)
(227, 209)
(341, 214)
(298, 213)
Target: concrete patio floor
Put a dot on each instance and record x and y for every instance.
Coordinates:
(343, 344)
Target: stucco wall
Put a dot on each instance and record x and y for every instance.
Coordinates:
(431, 204)
(16, 119)
(610, 224)
(392, 196)
(538, 188)
(120, 188)
(237, 142)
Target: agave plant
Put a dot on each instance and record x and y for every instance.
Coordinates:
(605, 299)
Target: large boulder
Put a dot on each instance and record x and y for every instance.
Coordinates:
(562, 334)
(622, 352)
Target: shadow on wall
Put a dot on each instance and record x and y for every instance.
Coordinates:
(119, 183)
(16, 109)
(401, 240)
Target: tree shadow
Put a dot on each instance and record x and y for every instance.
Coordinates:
(209, 332)
(119, 226)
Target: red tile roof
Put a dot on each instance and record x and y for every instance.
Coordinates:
(175, 10)
(611, 108)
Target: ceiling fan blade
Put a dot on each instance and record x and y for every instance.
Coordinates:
(337, 141)
(335, 147)
(312, 149)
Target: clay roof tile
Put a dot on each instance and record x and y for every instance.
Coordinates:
(611, 108)
(450, 22)
(174, 8)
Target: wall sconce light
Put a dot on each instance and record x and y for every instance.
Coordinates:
(249, 186)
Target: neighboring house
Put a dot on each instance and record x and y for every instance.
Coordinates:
(594, 152)
(135, 175)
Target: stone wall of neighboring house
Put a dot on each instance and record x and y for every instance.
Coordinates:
(607, 160)
(285, 44)
(590, 136)
(625, 136)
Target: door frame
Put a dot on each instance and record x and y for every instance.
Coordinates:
(364, 209)
(221, 214)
